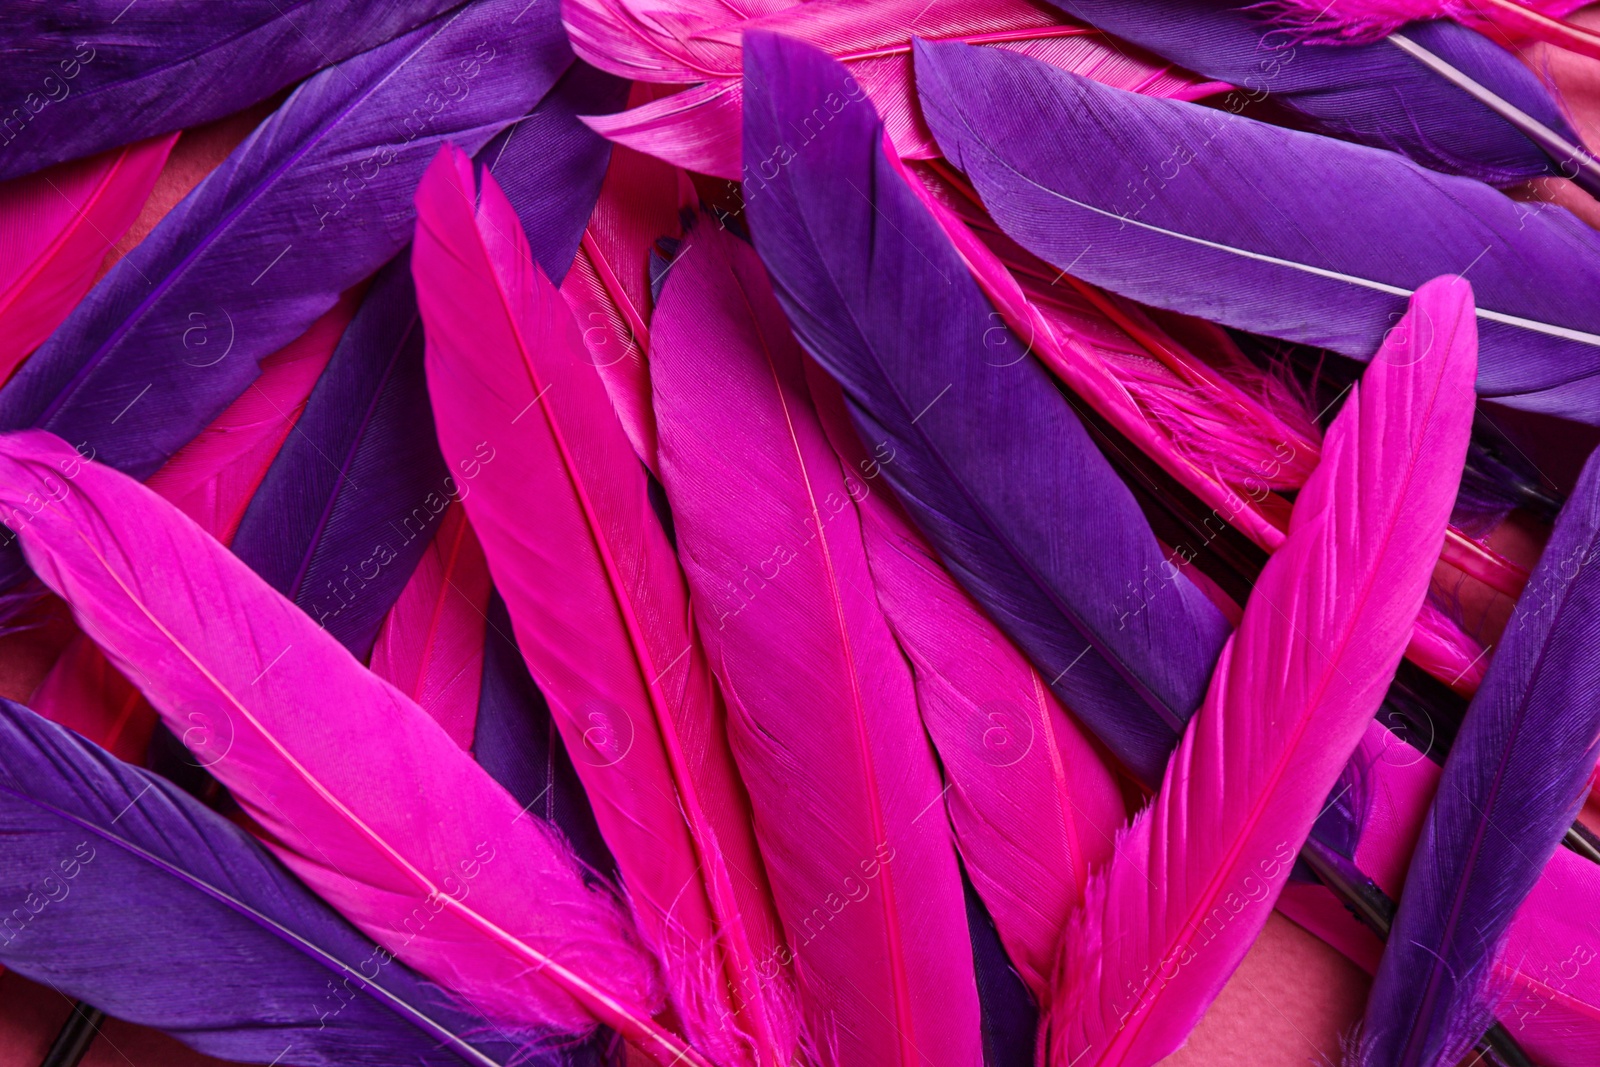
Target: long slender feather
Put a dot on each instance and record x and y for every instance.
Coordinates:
(1033, 806)
(356, 789)
(228, 953)
(701, 129)
(352, 499)
(1195, 876)
(87, 77)
(598, 603)
(1373, 94)
(821, 711)
(1058, 161)
(314, 200)
(1516, 776)
(431, 644)
(992, 463)
(55, 230)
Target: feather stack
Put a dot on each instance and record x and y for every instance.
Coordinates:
(699, 129)
(230, 954)
(598, 602)
(1061, 164)
(55, 230)
(356, 789)
(1194, 876)
(821, 711)
(990, 459)
(1033, 806)
(1516, 776)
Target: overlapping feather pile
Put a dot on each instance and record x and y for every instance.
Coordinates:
(751, 533)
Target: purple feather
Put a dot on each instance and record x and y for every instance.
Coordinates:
(79, 78)
(140, 900)
(1271, 230)
(986, 454)
(1515, 778)
(1373, 94)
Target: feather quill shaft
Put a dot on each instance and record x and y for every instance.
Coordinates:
(598, 603)
(1515, 778)
(357, 790)
(1279, 255)
(821, 712)
(1170, 918)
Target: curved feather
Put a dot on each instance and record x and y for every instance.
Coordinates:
(1325, 263)
(312, 201)
(598, 603)
(1373, 94)
(55, 230)
(352, 500)
(361, 794)
(1195, 876)
(1033, 806)
(431, 644)
(1516, 776)
(87, 77)
(873, 40)
(230, 954)
(992, 463)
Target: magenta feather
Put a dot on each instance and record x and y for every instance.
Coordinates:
(1195, 876)
(700, 129)
(821, 711)
(1370, 20)
(598, 604)
(1032, 802)
(355, 788)
(431, 644)
(56, 227)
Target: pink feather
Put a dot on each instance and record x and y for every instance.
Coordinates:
(56, 227)
(821, 711)
(431, 645)
(599, 606)
(356, 789)
(1369, 20)
(1164, 926)
(1033, 805)
(700, 128)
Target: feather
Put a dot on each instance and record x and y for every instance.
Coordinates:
(88, 77)
(230, 954)
(821, 712)
(1278, 255)
(598, 603)
(1372, 94)
(1368, 20)
(1195, 876)
(1074, 576)
(312, 201)
(55, 230)
(351, 502)
(431, 644)
(356, 790)
(700, 129)
(1032, 805)
(609, 291)
(1516, 776)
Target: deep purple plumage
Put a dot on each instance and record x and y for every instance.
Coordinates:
(1514, 781)
(985, 453)
(1372, 94)
(136, 897)
(83, 77)
(1266, 229)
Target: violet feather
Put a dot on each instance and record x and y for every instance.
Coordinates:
(1515, 778)
(80, 78)
(1213, 215)
(985, 453)
(149, 905)
(1373, 94)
